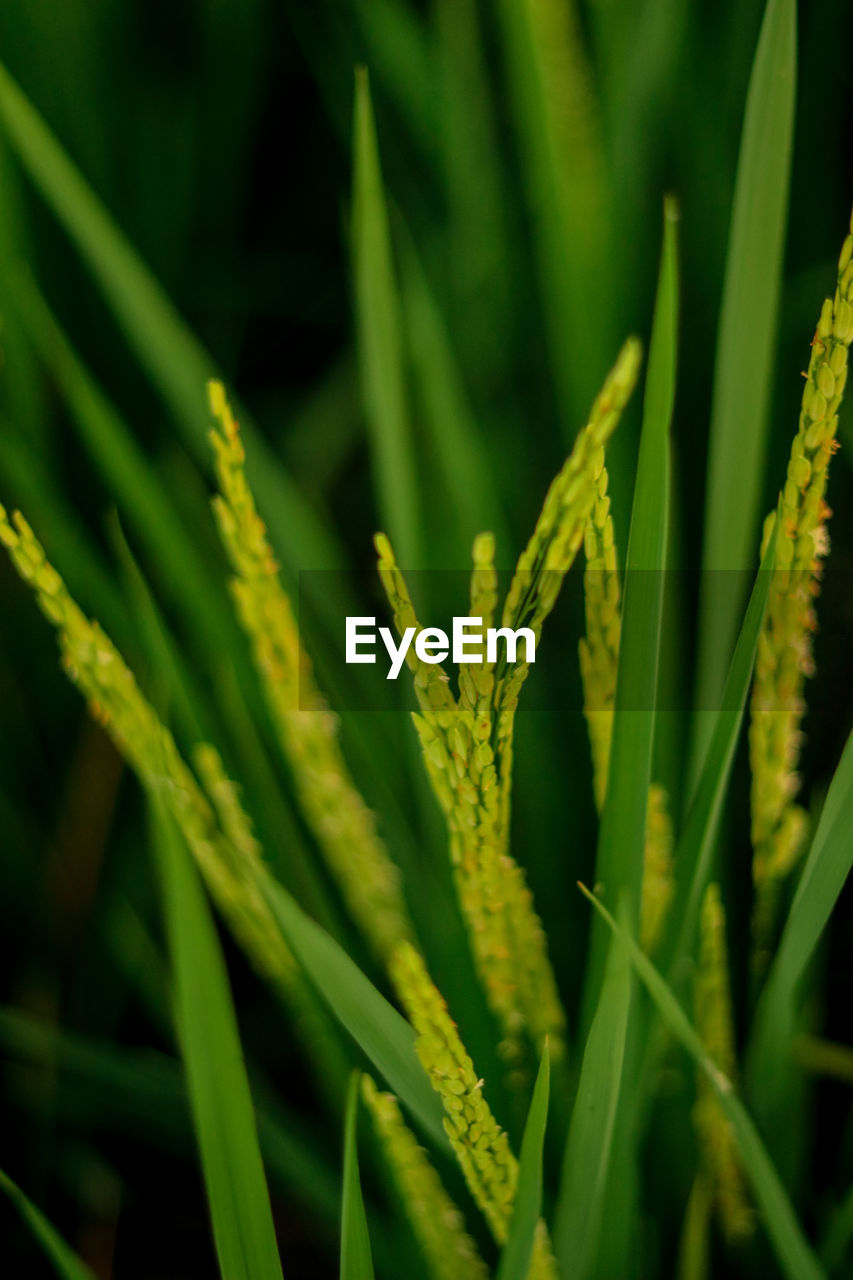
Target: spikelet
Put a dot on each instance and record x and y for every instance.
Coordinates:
(312, 1020)
(231, 867)
(481, 1146)
(658, 870)
(467, 743)
(507, 940)
(598, 652)
(438, 1225)
(785, 646)
(713, 1011)
(344, 827)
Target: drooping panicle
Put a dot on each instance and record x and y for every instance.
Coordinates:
(343, 825)
(439, 1227)
(227, 855)
(481, 1146)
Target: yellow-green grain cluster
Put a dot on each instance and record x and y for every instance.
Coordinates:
(438, 1225)
(343, 825)
(598, 652)
(467, 741)
(599, 648)
(227, 855)
(713, 1012)
(658, 869)
(481, 1146)
(785, 646)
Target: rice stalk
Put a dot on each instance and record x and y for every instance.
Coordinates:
(439, 1227)
(785, 660)
(480, 1144)
(467, 742)
(598, 653)
(343, 825)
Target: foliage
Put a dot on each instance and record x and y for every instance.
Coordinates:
(413, 236)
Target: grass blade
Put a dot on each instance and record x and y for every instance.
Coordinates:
(64, 1259)
(356, 1259)
(382, 1033)
(621, 836)
(527, 1210)
(556, 118)
(746, 344)
(696, 848)
(826, 870)
(216, 1075)
(123, 465)
(589, 1146)
(793, 1251)
(380, 340)
(175, 360)
(460, 453)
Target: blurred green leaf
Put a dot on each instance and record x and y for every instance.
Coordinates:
(373, 1023)
(746, 348)
(589, 1146)
(824, 875)
(142, 1092)
(65, 1261)
(527, 1210)
(216, 1075)
(356, 1259)
(380, 341)
(460, 451)
(695, 851)
(621, 840)
(174, 359)
(555, 114)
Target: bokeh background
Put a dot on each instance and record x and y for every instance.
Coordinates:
(218, 136)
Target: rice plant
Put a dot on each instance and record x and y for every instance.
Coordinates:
(525, 954)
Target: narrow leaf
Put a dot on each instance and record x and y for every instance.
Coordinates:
(746, 346)
(356, 1259)
(64, 1259)
(527, 1210)
(695, 851)
(621, 837)
(589, 1146)
(793, 1251)
(824, 875)
(380, 340)
(381, 1032)
(216, 1075)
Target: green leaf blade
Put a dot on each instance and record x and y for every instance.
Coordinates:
(824, 875)
(356, 1258)
(380, 338)
(621, 836)
(746, 342)
(527, 1210)
(589, 1145)
(381, 1032)
(65, 1261)
(793, 1251)
(216, 1076)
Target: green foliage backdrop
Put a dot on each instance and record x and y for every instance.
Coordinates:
(413, 279)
